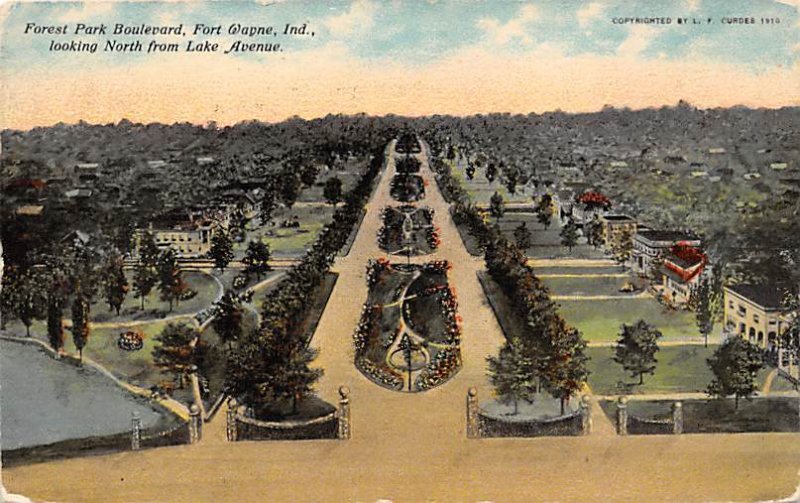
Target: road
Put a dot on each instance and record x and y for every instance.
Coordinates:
(413, 447)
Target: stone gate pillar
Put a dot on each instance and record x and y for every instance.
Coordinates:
(136, 431)
(473, 428)
(344, 432)
(195, 424)
(622, 416)
(677, 418)
(586, 414)
(230, 417)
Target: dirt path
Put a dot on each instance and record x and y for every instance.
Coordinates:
(768, 382)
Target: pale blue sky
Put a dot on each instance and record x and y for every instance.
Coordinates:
(420, 31)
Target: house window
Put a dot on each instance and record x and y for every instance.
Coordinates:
(730, 304)
(756, 318)
(742, 310)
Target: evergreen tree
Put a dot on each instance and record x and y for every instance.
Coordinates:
(148, 250)
(544, 211)
(115, 283)
(497, 205)
(701, 300)
(735, 365)
(564, 362)
(636, 349)
(523, 237)
(256, 258)
(144, 279)
(177, 348)
(569, 235)
(228, 318)
(512, 374)
(80, 324)
(170, 281)
(332, 192)
(55, 326)
(221, 249)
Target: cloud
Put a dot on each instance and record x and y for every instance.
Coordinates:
(501, 33)
(228, 90)
(86, 11)
(589, 13)
(639, 38)
(360, 17)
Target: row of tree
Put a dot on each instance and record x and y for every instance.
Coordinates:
(272, 362)
(549, 355)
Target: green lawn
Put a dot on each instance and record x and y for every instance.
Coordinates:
(679, 369)
(289, 242)
(600, 320)
(479, 188)
(589, 285)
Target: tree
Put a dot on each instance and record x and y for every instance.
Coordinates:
(115, 284)
(636, 349)
(523, 236)
(29, 299)
(221, 249)
(451, 152)
(564, 362)
(290, 189)
(268, 205)
(256, 258)
(295, 379)
(148, 250)
(622, 247)
(470, 171)
(332, 192)
(497, 205)
(308, 175)
(594, 233)
(170, 282)
(177, 348)
(569, 235)
(55, 327)
(80, 324)
(512, 178)
(512, 374)
(228, 318)
(544, 211)
(491, 172)
(735, 365)
(144, 279)
(701, 300)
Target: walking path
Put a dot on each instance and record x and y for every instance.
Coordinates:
(413, 447)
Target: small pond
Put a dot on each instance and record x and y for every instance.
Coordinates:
(43, 400)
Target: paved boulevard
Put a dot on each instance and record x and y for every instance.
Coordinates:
(412, 447)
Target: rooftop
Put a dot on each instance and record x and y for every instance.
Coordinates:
(766, 296)
(669, 236)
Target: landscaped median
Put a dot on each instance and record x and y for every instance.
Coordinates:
(409, 336)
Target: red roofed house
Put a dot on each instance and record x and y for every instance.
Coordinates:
(683, 268)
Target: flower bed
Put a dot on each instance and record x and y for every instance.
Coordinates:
(408, 230)
(409, 334)
(407, 188)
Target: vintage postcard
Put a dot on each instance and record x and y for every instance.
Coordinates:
(400, 251)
